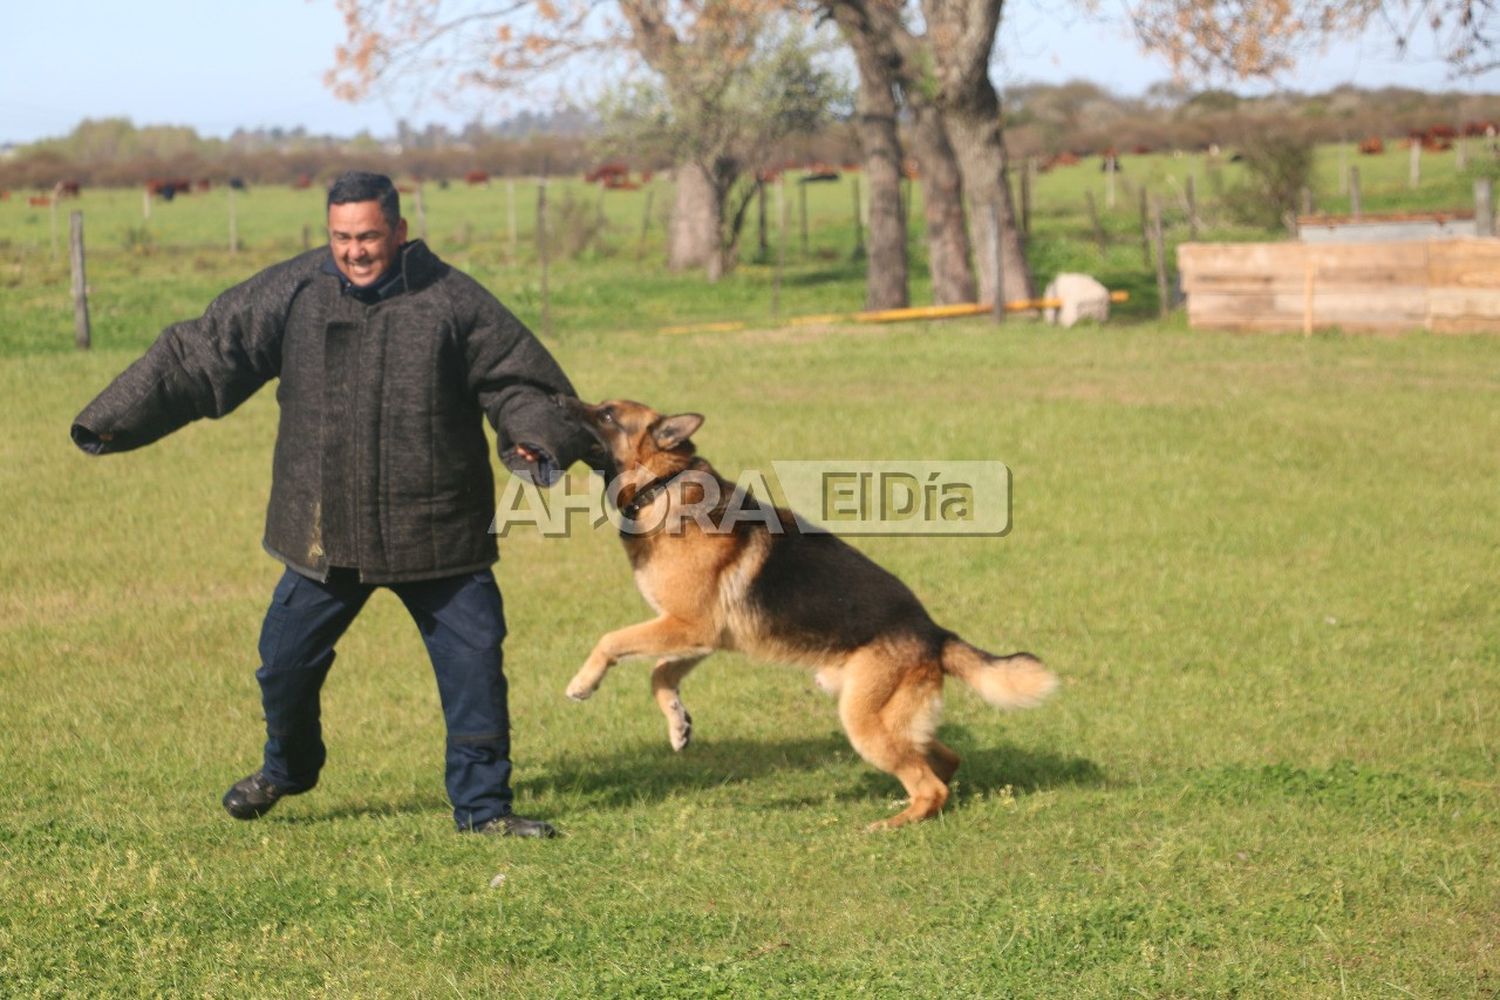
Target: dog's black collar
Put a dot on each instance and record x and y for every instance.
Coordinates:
(643, 496)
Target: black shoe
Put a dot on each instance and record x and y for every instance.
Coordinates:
(253, 796)
(514, 826)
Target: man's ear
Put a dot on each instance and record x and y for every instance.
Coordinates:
(669, 432)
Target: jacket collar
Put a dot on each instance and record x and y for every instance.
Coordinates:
(416, 267)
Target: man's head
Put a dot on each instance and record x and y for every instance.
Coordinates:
(365, 228)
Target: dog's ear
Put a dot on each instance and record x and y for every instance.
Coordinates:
(669, 432)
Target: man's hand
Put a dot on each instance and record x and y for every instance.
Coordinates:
(521, 449)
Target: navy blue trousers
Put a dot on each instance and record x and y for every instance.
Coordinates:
(463, 624)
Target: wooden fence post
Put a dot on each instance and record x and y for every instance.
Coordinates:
(1484, 207)
(1356, 210)
(1026, 197)
(1307, 201)
(859, 229)
(541, 249)
(82, 335)
(646, 217)
(234, 225)
(1461, 155)
(1414, 171)
(510, 201)
(781, 212)
(802, 202)
(1100, 236)
(1163, 290)
(996, 245)
(1145, 230)
(1192, 207)
(146, 203)
(762, 233)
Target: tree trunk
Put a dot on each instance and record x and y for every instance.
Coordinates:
(960, 38)
(943, 206)
(693, 237)
(880, 144)
(981, 156)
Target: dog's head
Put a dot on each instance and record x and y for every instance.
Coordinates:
(636, 436)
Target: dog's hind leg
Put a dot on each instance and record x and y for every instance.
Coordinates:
(666, 678)
(943, 760)
(890, 710)
(665, 637)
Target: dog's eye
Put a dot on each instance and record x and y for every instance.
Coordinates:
(608, 416)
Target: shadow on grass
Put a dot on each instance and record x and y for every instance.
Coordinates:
(650, 772)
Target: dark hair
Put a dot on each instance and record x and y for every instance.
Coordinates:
(362, 185)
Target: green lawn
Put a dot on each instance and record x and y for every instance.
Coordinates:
(1264, 567)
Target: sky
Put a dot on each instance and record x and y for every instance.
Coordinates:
(223, 66)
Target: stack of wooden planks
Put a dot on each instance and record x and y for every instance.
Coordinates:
(1443, 286)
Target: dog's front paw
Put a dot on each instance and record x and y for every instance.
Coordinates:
(579, 689)
(680, 729)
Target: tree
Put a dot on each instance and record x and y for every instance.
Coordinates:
(947, 68)
(1208, 37)
(869, 33)
(702, 52)
(880, 145)
(718, 126)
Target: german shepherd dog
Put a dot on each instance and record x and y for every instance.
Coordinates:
(788, 594)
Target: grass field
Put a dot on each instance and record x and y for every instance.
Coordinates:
(1265, 568)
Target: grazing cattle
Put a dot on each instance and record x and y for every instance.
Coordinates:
(818, 172)
(1140, 149)
(1372, 146)
(603, 173)
(39, 200)
(302, 183)
(4, 196)
(67, 189)
(1064, 159)
(476, 177)
(167, 188)
(238, 184)
(769, 175)
(203, 185)
(1110, 160)
(1478, 129)
(646, 176)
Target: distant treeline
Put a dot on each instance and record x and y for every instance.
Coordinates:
(1041, 120)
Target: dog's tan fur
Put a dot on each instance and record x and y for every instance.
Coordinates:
(880, 654)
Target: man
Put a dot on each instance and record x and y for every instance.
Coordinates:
(388, 360)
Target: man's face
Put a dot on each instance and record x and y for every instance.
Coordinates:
(364, 244)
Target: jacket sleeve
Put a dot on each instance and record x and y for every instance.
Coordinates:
(517, 382)
(200, 368)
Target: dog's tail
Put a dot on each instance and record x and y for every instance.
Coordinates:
(1015, 681)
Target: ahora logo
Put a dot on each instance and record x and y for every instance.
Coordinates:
(838, 497)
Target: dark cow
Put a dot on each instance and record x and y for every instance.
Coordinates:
(607, 172)
(818, 173)
(238, 184)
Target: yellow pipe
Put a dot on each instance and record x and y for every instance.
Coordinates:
(893, 315)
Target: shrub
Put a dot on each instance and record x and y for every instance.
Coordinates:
(1278, 165)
